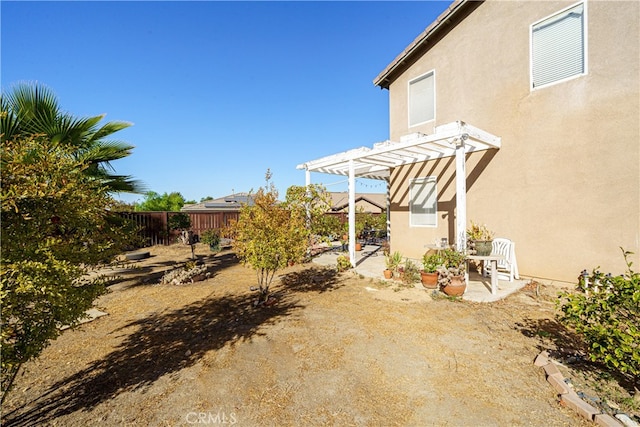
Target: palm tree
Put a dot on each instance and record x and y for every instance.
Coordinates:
(32, 109)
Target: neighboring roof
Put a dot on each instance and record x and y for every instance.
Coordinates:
(457, 11)
(232, 202)
(377, 162)
(340, 201)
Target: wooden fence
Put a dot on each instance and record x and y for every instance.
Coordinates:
(154, 228)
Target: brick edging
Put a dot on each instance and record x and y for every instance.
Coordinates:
(570, 398)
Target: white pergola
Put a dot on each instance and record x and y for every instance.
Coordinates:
(453, 139)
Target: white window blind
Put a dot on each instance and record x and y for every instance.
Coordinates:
(423, 195)
(558, 47)
(421, 99)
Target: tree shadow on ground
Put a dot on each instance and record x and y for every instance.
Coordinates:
(161, 344)
(568, 348)
(312, 279)
(152, 274)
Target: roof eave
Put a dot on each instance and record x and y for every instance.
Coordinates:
(383, 79)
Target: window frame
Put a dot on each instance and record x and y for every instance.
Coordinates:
(585, 44)
(417, 181)
(409, 83)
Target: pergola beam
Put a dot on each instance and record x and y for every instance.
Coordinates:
(453, 139)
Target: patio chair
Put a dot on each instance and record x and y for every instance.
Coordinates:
(507, 268)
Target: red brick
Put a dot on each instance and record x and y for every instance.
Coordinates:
(606, 420)
(551, 369)
(558, 383)
(542, 359)
(574, 402)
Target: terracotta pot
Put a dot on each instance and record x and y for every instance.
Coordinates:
(388, 274)
(358, 246)
(456, 287)
(429, 280)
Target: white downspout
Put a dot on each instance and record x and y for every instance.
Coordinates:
(352, 214)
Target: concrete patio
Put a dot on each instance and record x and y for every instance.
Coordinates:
(370, 263)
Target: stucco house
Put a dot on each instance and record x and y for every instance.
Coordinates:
(524, 116)
(231, 203)
(375, 203)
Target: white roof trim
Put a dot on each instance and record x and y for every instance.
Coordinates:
(377, 162)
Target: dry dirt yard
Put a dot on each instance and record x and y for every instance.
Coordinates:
(336, 349)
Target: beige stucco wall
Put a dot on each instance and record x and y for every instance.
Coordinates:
(565, 186)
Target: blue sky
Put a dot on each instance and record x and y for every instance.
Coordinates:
(218, 91)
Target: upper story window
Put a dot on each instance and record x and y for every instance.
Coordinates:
(423, 201)
(558, 47)
(422, 99)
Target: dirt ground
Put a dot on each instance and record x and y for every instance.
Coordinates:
(336, 349)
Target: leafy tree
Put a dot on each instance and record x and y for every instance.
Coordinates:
(153, 201)
(606, 312)
(314, 201)
(32, 109)
(121, 206)
(179, 221)
(182, 222)
(55, 228)
(269, 235)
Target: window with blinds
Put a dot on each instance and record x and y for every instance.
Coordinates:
(422, 99)
(423, 201)
(558, 47)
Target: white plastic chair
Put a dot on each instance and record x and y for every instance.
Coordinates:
(507, 268)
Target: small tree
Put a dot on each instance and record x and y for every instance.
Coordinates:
(312, 201)
(606, 312)
(182, 223)
(269, 235)
(55, 228)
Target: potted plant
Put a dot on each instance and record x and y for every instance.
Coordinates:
(429, 273)
(388, 272)
(479, 239)
(211, 237)
(392, 262)
(451, 272)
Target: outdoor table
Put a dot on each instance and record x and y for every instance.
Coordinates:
(494, 267)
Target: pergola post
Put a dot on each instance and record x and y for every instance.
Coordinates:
(388, 200)
(461, 195)
(352, 214)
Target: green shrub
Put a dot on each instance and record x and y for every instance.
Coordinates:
(411, 272)
(343, 263)
(179, 221)
(210, 237)
(605, 310)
